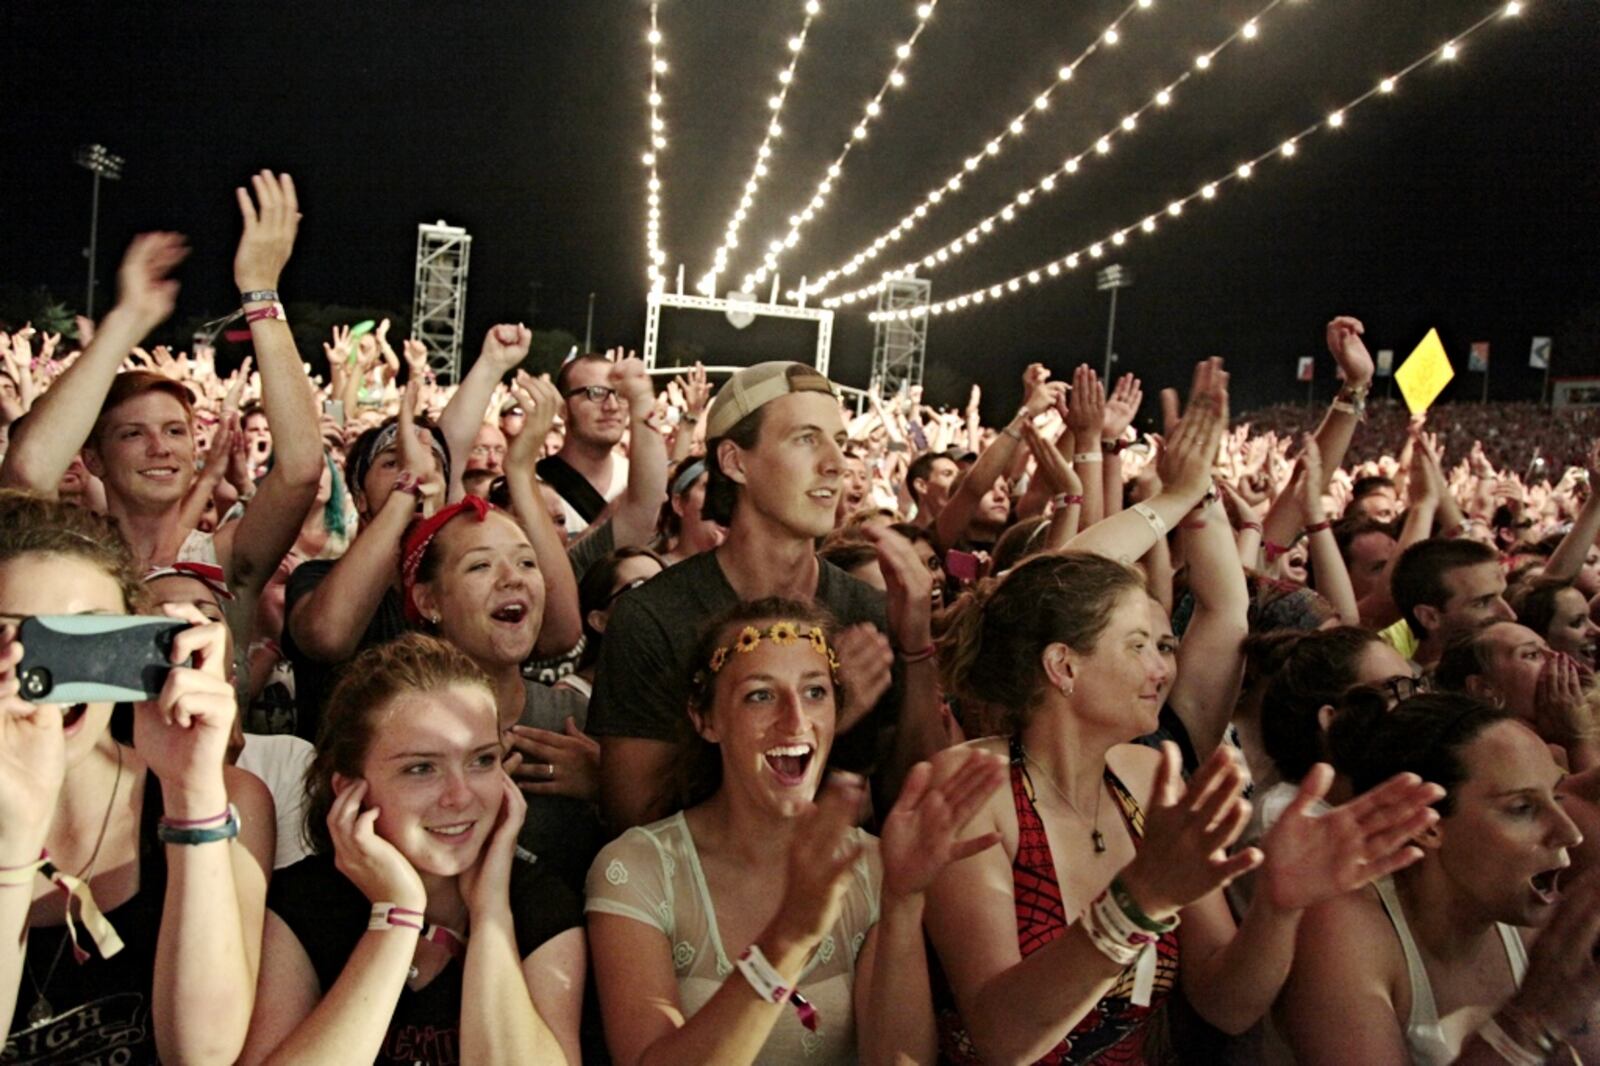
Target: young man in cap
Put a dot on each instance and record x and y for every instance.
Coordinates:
(775, 464)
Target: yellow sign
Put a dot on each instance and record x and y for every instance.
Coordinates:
(1424, 374)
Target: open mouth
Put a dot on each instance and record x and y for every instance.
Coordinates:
(1547, 885)
(510, 614)
(72, 715)
(789, 762)
(826, 496)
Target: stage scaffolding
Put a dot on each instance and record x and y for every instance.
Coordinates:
(438, 310)
(900, 344)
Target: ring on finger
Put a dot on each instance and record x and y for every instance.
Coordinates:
(550, 771)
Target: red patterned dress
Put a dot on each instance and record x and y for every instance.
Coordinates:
(1115, 1032)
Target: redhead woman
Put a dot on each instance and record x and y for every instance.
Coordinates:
(415, 933)
(758, 925)
(164, 848)
(1430, 967)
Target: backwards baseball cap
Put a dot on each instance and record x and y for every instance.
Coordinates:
(756, 386)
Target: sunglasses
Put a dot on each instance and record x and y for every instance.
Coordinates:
(629, 587)
(1400, 689)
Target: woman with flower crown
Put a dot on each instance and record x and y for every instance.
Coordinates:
(759, 924)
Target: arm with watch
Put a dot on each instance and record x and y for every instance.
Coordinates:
(251, 549)
(1350, 403)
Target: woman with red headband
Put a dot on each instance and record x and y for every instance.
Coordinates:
(471, 576)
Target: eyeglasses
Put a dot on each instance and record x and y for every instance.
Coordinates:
(629, 587)
(1399, 689)
(594, 393)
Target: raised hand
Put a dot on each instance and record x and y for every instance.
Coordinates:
(339, 352)
(540, 401)
(920, 835)
(819, 862)
(1563, 978)
(505, 346)
(1054, 468)
(909, 588)
(1039, 393)
(486, 884)
(416, 457)
(182, 734)
(1311, 858)
(1187, 832)
(1086, 406)
(144, 289)
(1561, 713)
(632, 382)
(270, 223)
(372, 864)
(1121, 407)
(1192, 441)
(32, 761)
(1348, 351)
(865, 661)
(416, 357)
(695, 388)
(555, 764)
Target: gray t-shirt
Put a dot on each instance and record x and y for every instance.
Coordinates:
(564, 832)
(641, 685)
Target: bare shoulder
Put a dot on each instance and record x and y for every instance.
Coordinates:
(947, 759)
(1135, 766)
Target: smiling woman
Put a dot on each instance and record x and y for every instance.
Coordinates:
(415, 930)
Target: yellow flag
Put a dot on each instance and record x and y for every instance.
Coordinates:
(1424, 374)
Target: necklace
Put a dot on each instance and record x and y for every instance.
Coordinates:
(1096, 837)
(41, 1011)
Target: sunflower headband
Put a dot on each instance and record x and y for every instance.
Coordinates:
(779, 633)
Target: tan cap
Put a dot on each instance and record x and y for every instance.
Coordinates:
(755, 387)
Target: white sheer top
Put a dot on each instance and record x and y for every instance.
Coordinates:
(652, 874)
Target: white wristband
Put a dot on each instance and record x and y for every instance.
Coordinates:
(1148, 513)
(1088, 457)
(766, 980)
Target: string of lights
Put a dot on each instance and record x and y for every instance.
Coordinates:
(896, 79)
(655, 256)
(1286, 149)
(730, 238)
(1098, 146)
(1018, 125)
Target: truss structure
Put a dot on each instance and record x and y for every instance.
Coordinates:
(900, 341)
(652, 326)
(439, 306)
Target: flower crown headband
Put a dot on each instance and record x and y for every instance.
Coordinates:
(782, 633)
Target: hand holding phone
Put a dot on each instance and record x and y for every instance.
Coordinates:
(91, 658)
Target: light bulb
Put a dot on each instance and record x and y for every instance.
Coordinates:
(1112, 37)
(1202, 61)
(1249, 31)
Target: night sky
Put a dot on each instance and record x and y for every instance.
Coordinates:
(1467, 201)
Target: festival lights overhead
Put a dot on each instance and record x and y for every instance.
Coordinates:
(1284, 150)
(730, 238)
(775, 248)
(1099, 146)
(656, 258)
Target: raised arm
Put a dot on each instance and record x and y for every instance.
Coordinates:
(251, 552)
(633, 514)
(1040, 394)
(1567, 560)
(63, 416)
(562, 624)
(1350, 404)
(504, 348)
(1332, 577)
(1209, 659)
(1085, 414)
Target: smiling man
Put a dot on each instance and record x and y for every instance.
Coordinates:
(776, 463)
(587, 473)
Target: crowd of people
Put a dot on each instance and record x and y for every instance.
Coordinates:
(561, 719)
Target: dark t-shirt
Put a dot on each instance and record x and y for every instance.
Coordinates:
(328, 915)
(563, 831)
(100, 1011)
(314, 679)
(641, 685)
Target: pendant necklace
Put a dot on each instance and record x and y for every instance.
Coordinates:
(41, 1011)
(1096, 837)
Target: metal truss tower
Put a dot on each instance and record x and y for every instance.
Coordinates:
(900, 339)
(438, 309)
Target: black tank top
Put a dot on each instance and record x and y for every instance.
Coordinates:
(100, 1010)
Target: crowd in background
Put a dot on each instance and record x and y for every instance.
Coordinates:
(601, 717)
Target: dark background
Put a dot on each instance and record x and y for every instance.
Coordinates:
(1467, 201)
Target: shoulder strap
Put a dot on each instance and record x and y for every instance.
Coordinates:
(572, 487)
(1424, 1011)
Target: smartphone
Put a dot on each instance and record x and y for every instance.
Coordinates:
(94, 658)
(334, 409)
(963, 566)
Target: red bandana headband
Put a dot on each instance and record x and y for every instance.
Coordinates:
(417, 541)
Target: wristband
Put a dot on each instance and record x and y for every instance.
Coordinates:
(209, 831)
(1257, 526)
(1066, 499)
(1123, 933)
(406, 482)
(769, 985)
(923, 655)
(11, 876)
(690, 419)
(94, 920)
(1012, 432)
(274, 310)
(1088, 457)
(387, 916)
(1113, 447)
(1453, 532)
(1148, 513)
(259, 296)
(1272, 550)
(1317, 527)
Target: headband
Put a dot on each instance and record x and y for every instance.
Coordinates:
(416, 546)
(782, 633)
(688, 476)
(360, 463)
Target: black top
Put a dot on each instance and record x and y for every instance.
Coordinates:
(313, 679)
(328, 915)
(100, 1009)
(641, 686)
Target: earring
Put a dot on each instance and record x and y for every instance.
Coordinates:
(434, 618)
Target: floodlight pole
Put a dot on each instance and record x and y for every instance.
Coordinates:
(588, 329)
(1113, 277)
(102, 163)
